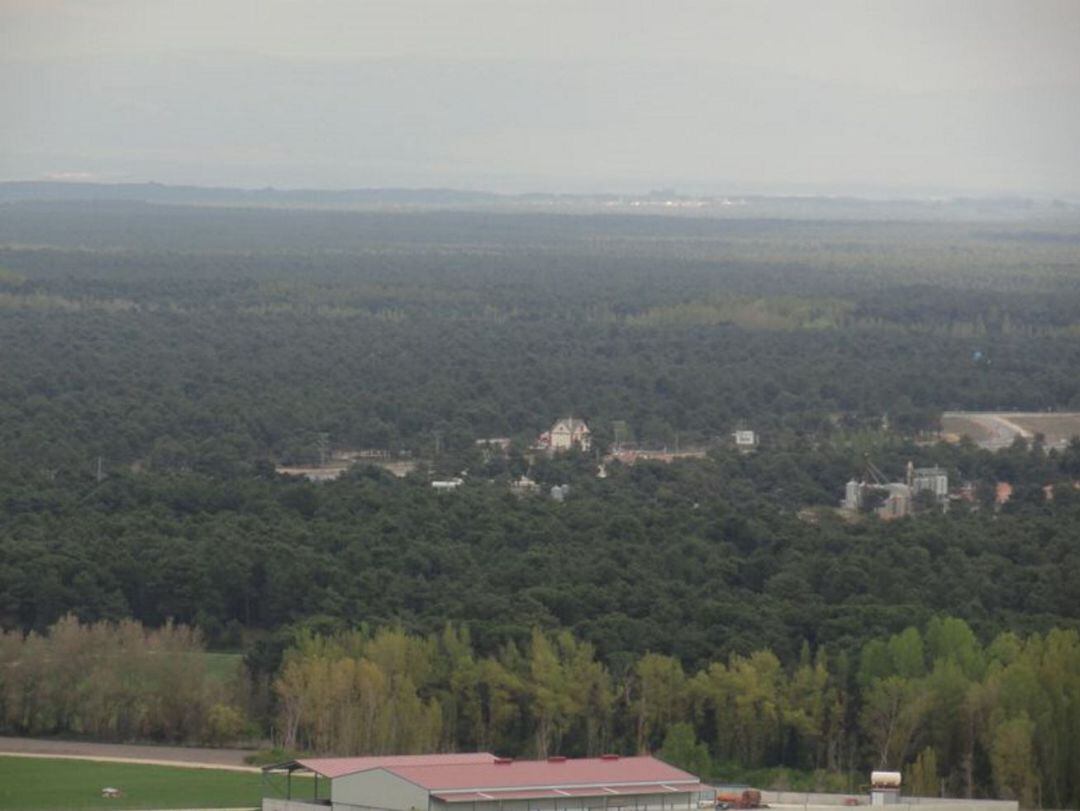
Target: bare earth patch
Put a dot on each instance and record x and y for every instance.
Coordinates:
(232, 759)
(999, 429)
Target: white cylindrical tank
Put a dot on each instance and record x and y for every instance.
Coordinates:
(885, 780)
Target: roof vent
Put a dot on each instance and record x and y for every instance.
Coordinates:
(557, 759)
(609, 757)
(503, 761)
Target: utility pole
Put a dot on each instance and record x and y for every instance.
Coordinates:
(100, 474)
(323, 444)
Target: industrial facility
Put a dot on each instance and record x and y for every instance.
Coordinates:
(893, 499)
(483, 782)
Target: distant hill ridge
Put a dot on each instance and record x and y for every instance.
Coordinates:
(19, 191)
(663, 202)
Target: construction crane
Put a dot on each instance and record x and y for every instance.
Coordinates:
(873, 474)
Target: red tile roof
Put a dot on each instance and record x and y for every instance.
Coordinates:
(338, 766)
(611, 772)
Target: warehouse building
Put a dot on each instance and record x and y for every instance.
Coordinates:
(483, 782)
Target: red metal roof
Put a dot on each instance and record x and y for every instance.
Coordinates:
(558, 794)
(543, 774)
(339, 766)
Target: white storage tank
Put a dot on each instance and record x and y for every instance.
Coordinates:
(884, 788)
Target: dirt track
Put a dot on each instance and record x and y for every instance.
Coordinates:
(191, 757)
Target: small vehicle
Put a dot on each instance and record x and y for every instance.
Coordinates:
(747, 798)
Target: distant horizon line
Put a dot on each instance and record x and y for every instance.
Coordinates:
(657, 193)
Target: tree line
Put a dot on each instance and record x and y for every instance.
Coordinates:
(957, 716)
(115, 682)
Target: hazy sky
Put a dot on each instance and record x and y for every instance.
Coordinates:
(912, 96)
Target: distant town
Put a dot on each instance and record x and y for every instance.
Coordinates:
(871, 492)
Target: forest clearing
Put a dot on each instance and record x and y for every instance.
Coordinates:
(999, 429)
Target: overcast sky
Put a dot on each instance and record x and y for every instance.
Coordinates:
(826, 96)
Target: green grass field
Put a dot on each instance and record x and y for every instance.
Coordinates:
(34, 784)
(222, 666)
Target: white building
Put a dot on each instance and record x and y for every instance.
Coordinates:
(745, 440)
(569, 433)
(929, 479)
(445, 485)
(897, 501)
(853, 495)
(524, 486)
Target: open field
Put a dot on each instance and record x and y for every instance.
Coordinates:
(46, 783)
(223, 666)
(999, 429)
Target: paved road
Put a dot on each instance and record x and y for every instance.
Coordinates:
(232, 759)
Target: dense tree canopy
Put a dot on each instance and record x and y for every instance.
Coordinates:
(159, 361)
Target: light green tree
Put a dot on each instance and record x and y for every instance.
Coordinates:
(661, 697)
(893, 710)
(681, 748)
(924, 781)
(1012, 758)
